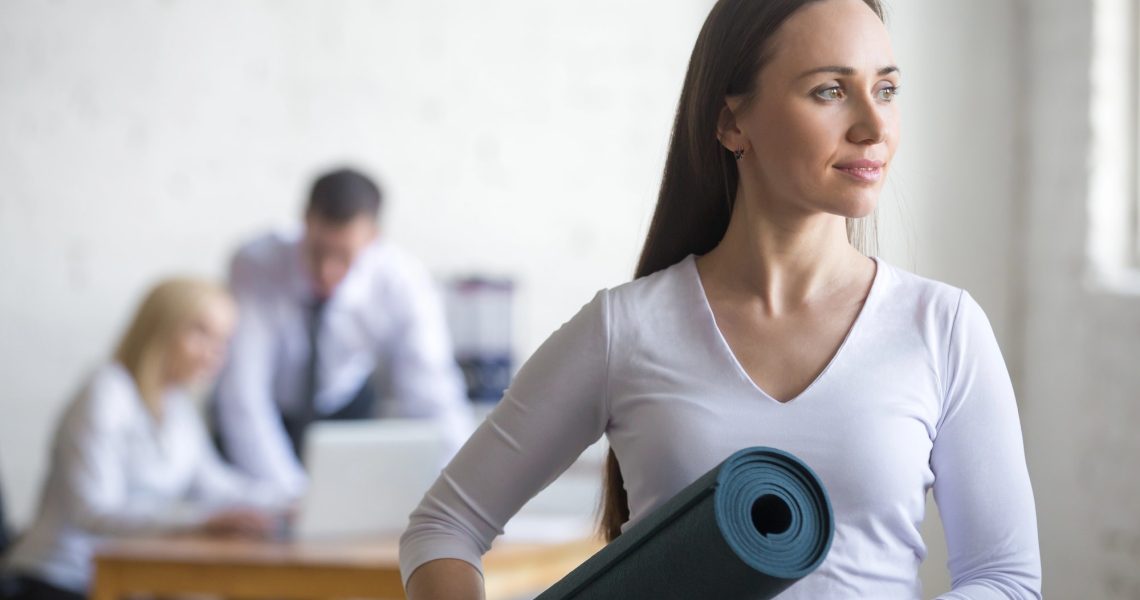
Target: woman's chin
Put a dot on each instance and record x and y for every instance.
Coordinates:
(852, 213)
(859, 207)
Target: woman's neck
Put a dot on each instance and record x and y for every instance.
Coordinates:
(784, 261)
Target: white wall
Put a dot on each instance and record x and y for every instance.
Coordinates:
(522, 138)
(1082, 320)
(139, 138)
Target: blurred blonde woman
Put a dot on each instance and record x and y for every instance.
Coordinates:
(131, 455)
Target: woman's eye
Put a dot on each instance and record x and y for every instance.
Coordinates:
(831, 93)
(888, 93)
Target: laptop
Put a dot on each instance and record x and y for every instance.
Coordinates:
(366, 477)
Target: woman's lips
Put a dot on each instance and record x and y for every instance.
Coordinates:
(868, 171)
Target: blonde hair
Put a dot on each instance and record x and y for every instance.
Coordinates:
(167, 309)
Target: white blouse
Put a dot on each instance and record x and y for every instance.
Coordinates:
(115, 471)
(917, 396)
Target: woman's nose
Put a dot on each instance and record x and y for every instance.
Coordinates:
(869, 125)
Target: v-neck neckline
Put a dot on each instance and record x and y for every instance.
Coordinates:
(731, 356)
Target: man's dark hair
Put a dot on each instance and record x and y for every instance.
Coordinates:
(342, 195)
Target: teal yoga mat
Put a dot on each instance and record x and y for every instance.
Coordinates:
(746, 530)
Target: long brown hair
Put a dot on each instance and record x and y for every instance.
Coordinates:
(698, 186)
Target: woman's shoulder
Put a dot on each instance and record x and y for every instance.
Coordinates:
(106, 399)
(910, 291)
(647, 304)
(673, 286)
(627, 305)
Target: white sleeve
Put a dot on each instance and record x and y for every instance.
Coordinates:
(249, 419)
(425, 379)
(981, 482)
(555, 408)
(90, 449)
(217, 484)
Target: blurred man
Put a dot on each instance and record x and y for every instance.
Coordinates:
(321, 311)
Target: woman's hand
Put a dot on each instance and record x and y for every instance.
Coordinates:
(240, 522)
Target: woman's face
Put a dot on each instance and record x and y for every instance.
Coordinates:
(199, 349)
(823, 127)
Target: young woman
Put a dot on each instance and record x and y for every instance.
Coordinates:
(131, 455)
(756, 321)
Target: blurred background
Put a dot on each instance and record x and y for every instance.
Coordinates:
(523, 141)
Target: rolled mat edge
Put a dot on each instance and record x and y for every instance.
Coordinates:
(753, 525)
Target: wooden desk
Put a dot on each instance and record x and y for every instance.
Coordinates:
(307, 570)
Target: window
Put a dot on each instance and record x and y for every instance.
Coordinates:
(1134, 69)
(1114, 176)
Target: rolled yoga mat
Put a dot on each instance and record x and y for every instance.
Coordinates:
(746, 530)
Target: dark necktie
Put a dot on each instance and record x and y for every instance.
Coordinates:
(314, 314)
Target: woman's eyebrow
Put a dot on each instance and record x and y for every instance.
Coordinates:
(846, 71)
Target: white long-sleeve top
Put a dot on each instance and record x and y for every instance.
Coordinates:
(115, 471)
(386, 315)
(916, 396)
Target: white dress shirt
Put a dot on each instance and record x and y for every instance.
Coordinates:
(115, 471)
(386, 316)
(917, 396)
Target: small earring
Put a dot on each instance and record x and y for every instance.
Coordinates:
(738, 153)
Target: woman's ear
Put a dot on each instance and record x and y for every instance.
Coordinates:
(727, 129)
